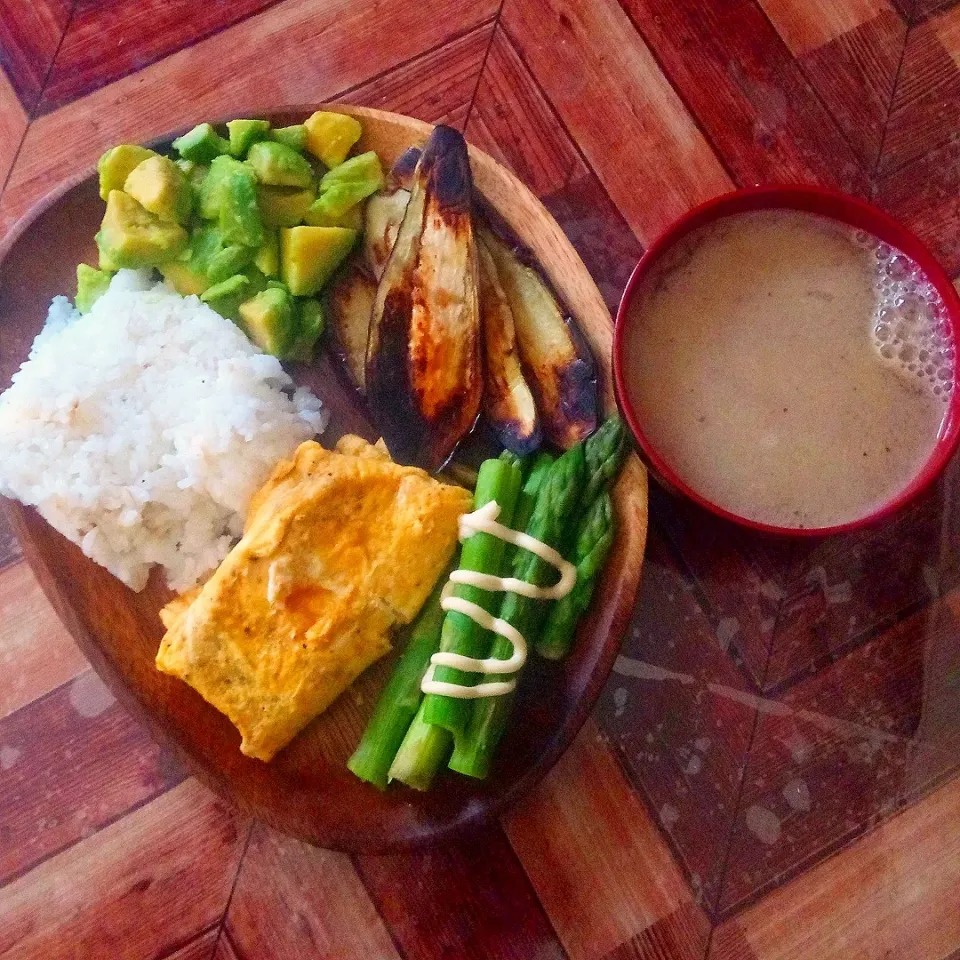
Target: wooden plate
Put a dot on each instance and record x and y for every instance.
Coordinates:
(307, 790)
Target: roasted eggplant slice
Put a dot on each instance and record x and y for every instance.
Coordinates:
(554, 357)
(385, 209)
(507, 400)
(424, 373)
(349, 306)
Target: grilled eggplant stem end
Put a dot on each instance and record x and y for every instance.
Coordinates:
(423, 367)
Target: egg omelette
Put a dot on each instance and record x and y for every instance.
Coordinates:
(338, 548)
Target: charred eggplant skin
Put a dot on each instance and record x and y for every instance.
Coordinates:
(401, 173)
(422, 401)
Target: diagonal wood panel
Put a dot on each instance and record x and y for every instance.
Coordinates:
(29, 36)
(584, 829)
(619, 108)
(896, 893)
(748, 92)
(139, 889)
(36, 652)
(293, 901)
(108, 40)
(461, 899)
(13, 125)
(329, 46)
(70, 763)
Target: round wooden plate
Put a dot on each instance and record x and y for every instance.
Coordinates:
(307, 790)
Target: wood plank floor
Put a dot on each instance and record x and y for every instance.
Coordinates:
(771, 770)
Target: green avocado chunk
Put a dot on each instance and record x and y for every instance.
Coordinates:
(201, 144)
(294, 137)
(278, 165)
(116, 164)
(160, 186)
(269, 319)
(243, 133)
(91, 285)
(310, 328)
(131, 236)
(229, 196)
(267, 259)
(225, 297)
(346, 185)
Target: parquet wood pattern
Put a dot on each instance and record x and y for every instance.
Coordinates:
(770, 772)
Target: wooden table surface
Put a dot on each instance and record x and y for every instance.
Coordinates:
(770, 771)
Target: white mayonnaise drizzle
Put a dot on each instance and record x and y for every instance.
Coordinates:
(484, 520)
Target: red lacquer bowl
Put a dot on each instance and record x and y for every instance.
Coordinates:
(826, 203)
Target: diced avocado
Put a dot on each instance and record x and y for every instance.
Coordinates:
(227, 261)
(185, 277)
(279, 166)
(159, 186)
(115, 165)
(309, 255)
(310, 327)
(316, 216)
(284, 206)
(225, 297)
(345, 186)
(277, 285)
(331, 135)
(267, 259)
(270, 321)
(240, 216)
(131, 236)
(212, 187)
(201, 144)
(243, 133)
(229, 196)
(186, 167)
(294, 137)
(91, 285)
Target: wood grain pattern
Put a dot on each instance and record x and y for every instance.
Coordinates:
(96, 896)
(748, 92)
(512, 120)
(868, 902)
(585, 829)
(108, 40)
(436, 87)
(467, 898)
(292, 901)
(36, 652)
(926, 108)
(13, 125)
(29, 36)
(619, 110)
(681, 935)
(307, 789)
(855, 75)
(199, 948)
(806, 25)
(328, 46)
(680, 716)
(70, 763)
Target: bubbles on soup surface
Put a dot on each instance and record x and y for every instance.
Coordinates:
(909, 325)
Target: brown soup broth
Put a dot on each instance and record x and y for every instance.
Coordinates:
(790, 369)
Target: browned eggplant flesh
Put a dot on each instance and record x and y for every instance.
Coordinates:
(424, 373)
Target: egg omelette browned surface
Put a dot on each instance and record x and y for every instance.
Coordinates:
(339, 547)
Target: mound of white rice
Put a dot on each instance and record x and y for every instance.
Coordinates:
(141, 430)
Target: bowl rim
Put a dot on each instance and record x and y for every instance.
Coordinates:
(837, 206)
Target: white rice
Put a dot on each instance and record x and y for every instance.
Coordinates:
(142, 429)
